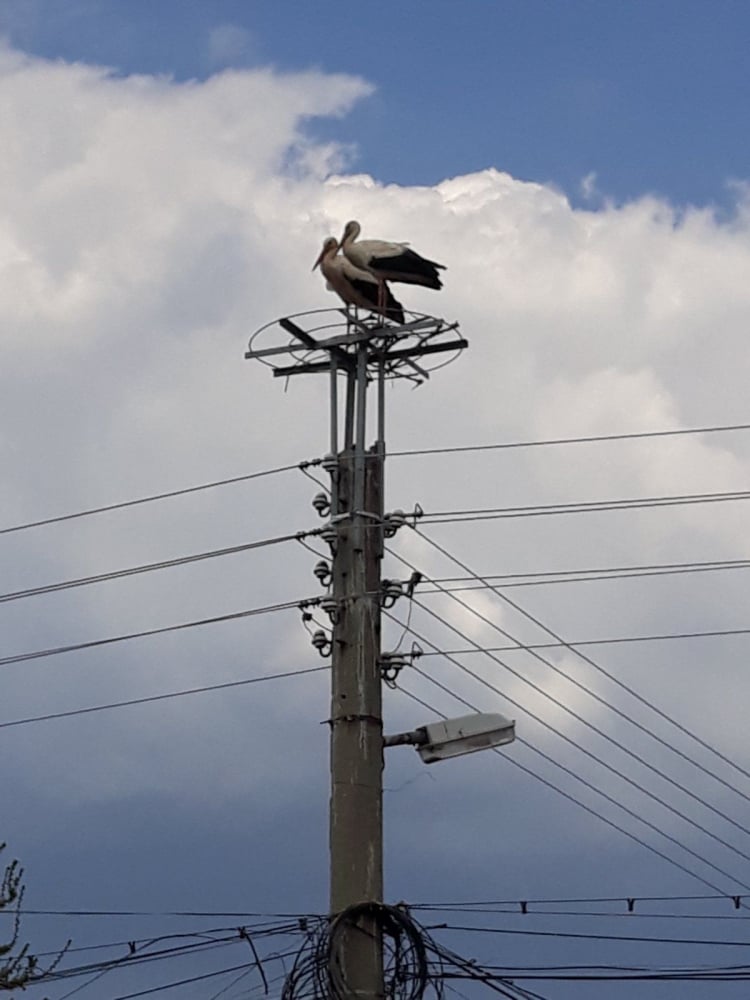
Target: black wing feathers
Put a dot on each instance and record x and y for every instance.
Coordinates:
(369, 291)
(409, 267)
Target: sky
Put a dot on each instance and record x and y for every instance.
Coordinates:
(169, 173)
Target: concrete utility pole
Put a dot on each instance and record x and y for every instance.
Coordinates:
(356, 806)
(363, 351)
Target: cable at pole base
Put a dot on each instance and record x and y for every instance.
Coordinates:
(318, 972)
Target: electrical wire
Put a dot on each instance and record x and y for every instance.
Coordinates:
(708, 634)
(557, 900)
(630, 938)
(549, 577)
(136, 958)
(150, 567)
(579, 507)
(506, 907)
(396, 454)
(238, 914)
(207, 943)
(578, 746)
(592, 787)
(587, 914)
(147, 499)
(589, 439)
(162, 697)
(571, 798)
(196, 623)
(592, 663)
(471, 970)
(184, 982)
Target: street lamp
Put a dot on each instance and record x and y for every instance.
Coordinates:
(454, 737)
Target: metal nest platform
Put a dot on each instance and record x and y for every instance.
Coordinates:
(333, 339)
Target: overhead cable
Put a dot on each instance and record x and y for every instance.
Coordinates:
(568, 900)
(395, 454)
(597, 666)
(147, 499)
(90, 644)
(150, 567)
(579, 507)
(590, 725)
(548, 577)
(591, 786)
(589, 439)
(570, 797)
(591, 936)
(523, 647)
(162, 697)
(599, 760)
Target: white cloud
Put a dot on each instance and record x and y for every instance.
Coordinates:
(147, 227)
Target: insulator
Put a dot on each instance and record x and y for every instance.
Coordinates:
(322, 504)
(331, 607)
(322, 572)
(391, 665)
(390, 591)
(321, 642)
(329, 534)
(392, 522)
(330, 462)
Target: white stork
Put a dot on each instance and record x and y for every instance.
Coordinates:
(389, 261)
(355, 286)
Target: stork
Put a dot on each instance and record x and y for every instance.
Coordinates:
(355, 286)
(389, 261)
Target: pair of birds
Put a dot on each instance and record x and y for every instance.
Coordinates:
(360, 276)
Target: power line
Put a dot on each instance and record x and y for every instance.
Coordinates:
(571, 798)
(395, 454)
(708, 634)
(162, 697)
(147, 499)
(505, 907)
(600, 669)
(103, 968)
(90, 644)
(548, 577)
(588, 784)
(590, 439)
(558, 900)
(579, 507)
(588, 914)
(150, 567)
(142, 957)
(591, 936)
(600, 732)
(589, 753)
(184, 982)
(194, 913)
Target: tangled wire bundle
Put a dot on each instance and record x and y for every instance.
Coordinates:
(318, 972)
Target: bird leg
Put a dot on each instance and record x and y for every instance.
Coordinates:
(382, 298)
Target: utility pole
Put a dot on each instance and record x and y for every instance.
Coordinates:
(356, 804)
(363, 350)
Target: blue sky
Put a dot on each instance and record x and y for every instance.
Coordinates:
(147, 226)
(650, 96)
